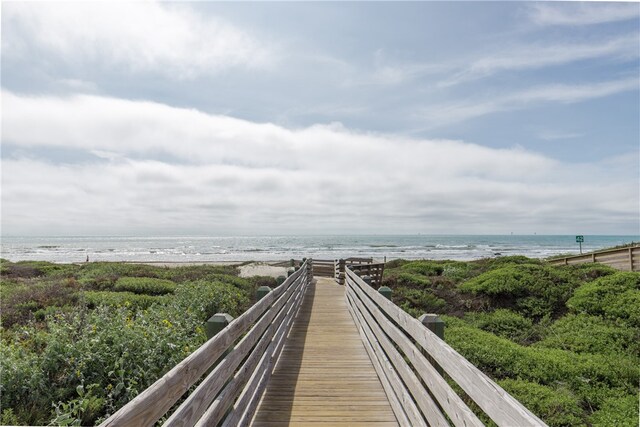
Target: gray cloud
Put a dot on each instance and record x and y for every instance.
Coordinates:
(572, 14)
(239, 176)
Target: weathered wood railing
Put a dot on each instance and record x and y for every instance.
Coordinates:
(245, 352)
(400, 348)
(627, 259)
(372, 270)
(323, 267)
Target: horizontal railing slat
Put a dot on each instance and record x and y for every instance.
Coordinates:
(150, 405)
(198, 401)
(426, 404)
(452, 404)
(489, 396)
(397, 408)
(246, 405)
(406, 402)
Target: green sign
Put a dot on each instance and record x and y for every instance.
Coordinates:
(579, 239)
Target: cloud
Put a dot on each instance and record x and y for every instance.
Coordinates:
(168, 39)
(554, 135)
(539, 56)
(161, 169)
(441, 115)
(573, 14)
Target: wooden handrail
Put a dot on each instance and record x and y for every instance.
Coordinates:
(385, 326)
(622, 258)
(265, 324)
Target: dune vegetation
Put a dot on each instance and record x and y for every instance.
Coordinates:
(564, 340)
(79, 341)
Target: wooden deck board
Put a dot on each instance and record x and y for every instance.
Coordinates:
(324, 376)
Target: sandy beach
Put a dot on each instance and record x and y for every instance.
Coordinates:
(247, 269)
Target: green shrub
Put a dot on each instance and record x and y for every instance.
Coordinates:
(457, 271)
(617, 412)
(103, 275)
(425, 268)
(31, 269)
(582, 333)
(591, 377)
(555, 406)
(532, 289)
(145, 285)
(198, 272)
(587, 271)
(614, 296)
(31, 296)
(114, 352)
(121, 299)
(395, 263)
(418, 301)
(504, 323)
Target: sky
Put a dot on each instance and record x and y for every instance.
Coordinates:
(221, 118)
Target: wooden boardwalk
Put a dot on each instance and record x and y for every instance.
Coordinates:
(324, 376)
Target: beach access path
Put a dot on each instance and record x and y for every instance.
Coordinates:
(324, 376)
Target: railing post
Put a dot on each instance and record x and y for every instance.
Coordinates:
(630, 259)
(435, 325)
(309, 270)
(386, 292)
(262, 292)
(216, 323)
(341, 271)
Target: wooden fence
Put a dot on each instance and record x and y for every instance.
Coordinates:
(626, 259)
(401, 348)
(245, 352)
(323, 267)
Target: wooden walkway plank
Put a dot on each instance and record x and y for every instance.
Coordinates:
(324, 375)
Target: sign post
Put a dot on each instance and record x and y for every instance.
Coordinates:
(580, 239)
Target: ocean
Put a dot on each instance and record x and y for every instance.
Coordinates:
(275, 248)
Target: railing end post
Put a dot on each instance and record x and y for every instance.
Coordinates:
(341, 271)
(262, 292)
(434, 323)
(386, 292)
(309, 270)
(216, 323)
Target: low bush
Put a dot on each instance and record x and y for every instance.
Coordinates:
(616, 296)
(534, 290)
(94, 299)
(32, 269)
(504, 323)
(29, 297)
(591, 377)
(198, 272)
(424, 268)
(557, 406)
(144, 285)
(112, 352)
(417, 302)
(582, 333)
(617, 411)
